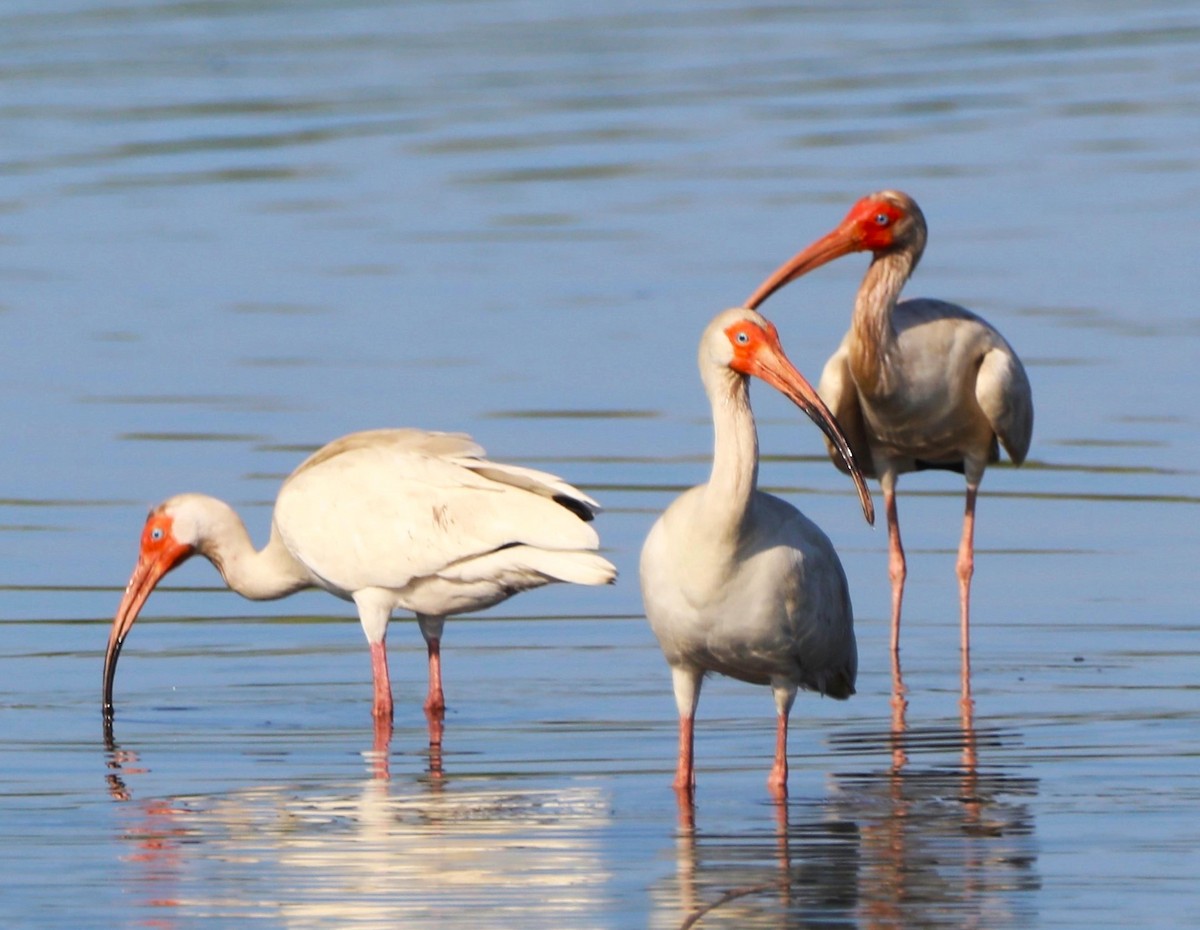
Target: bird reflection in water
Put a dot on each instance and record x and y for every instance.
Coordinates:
(153, 832)
(909, 845)
(942, 845)
(379, 755)
(373, 852)
(782, 872)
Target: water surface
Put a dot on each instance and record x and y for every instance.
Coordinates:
(230, 232)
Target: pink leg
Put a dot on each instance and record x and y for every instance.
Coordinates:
(777, 780)
(382, 708)
(435, 700)
(897, 569)
(899, 715)
(685, 682)
(966, 568)
(686, 801)
(685, 772)
(966, 706)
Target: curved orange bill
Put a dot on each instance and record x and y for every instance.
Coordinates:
(774, 367)
(841, 241)
(146, 574)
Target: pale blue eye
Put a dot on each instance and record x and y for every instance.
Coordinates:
(882, 219)
(156, 534)
(743, 338)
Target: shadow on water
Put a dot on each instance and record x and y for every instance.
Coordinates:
(907, 846)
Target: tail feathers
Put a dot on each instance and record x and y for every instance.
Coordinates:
(519, 568)
(573, 566)
(840, 685)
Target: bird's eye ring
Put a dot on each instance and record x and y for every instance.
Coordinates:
(882, 219)
(742, 337)
(156, 534)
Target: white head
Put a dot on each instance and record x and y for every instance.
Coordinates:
(741, 343)
(175, 530)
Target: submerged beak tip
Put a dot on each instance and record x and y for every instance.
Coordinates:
(146, 575)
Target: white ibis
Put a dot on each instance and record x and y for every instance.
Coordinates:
(737, 581)
(919, 384)
(395, 518)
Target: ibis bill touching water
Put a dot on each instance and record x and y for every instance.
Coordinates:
(389, 519)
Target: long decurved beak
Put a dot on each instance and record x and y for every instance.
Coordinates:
(774, 367)
(146, 574)
(841, 241)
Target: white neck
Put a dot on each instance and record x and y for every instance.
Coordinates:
(260, 575)
(734, 477)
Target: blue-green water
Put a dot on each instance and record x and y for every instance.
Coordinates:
(232, 231)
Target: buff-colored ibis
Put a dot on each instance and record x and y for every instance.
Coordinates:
(915, 384)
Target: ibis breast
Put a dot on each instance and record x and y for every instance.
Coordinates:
(949, 389)
(771, 600)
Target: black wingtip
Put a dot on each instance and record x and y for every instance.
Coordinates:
(580, 509)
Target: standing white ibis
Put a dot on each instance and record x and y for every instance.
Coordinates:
(918, 384)
(395, 518)
(737, 581)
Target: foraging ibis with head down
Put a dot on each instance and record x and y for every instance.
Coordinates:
(390, 519)
(918, 383)
(738, 581)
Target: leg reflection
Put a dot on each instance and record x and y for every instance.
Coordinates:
(151, 835)
(379, 754)
(381, 749)
(769, 872)
(437, 727)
